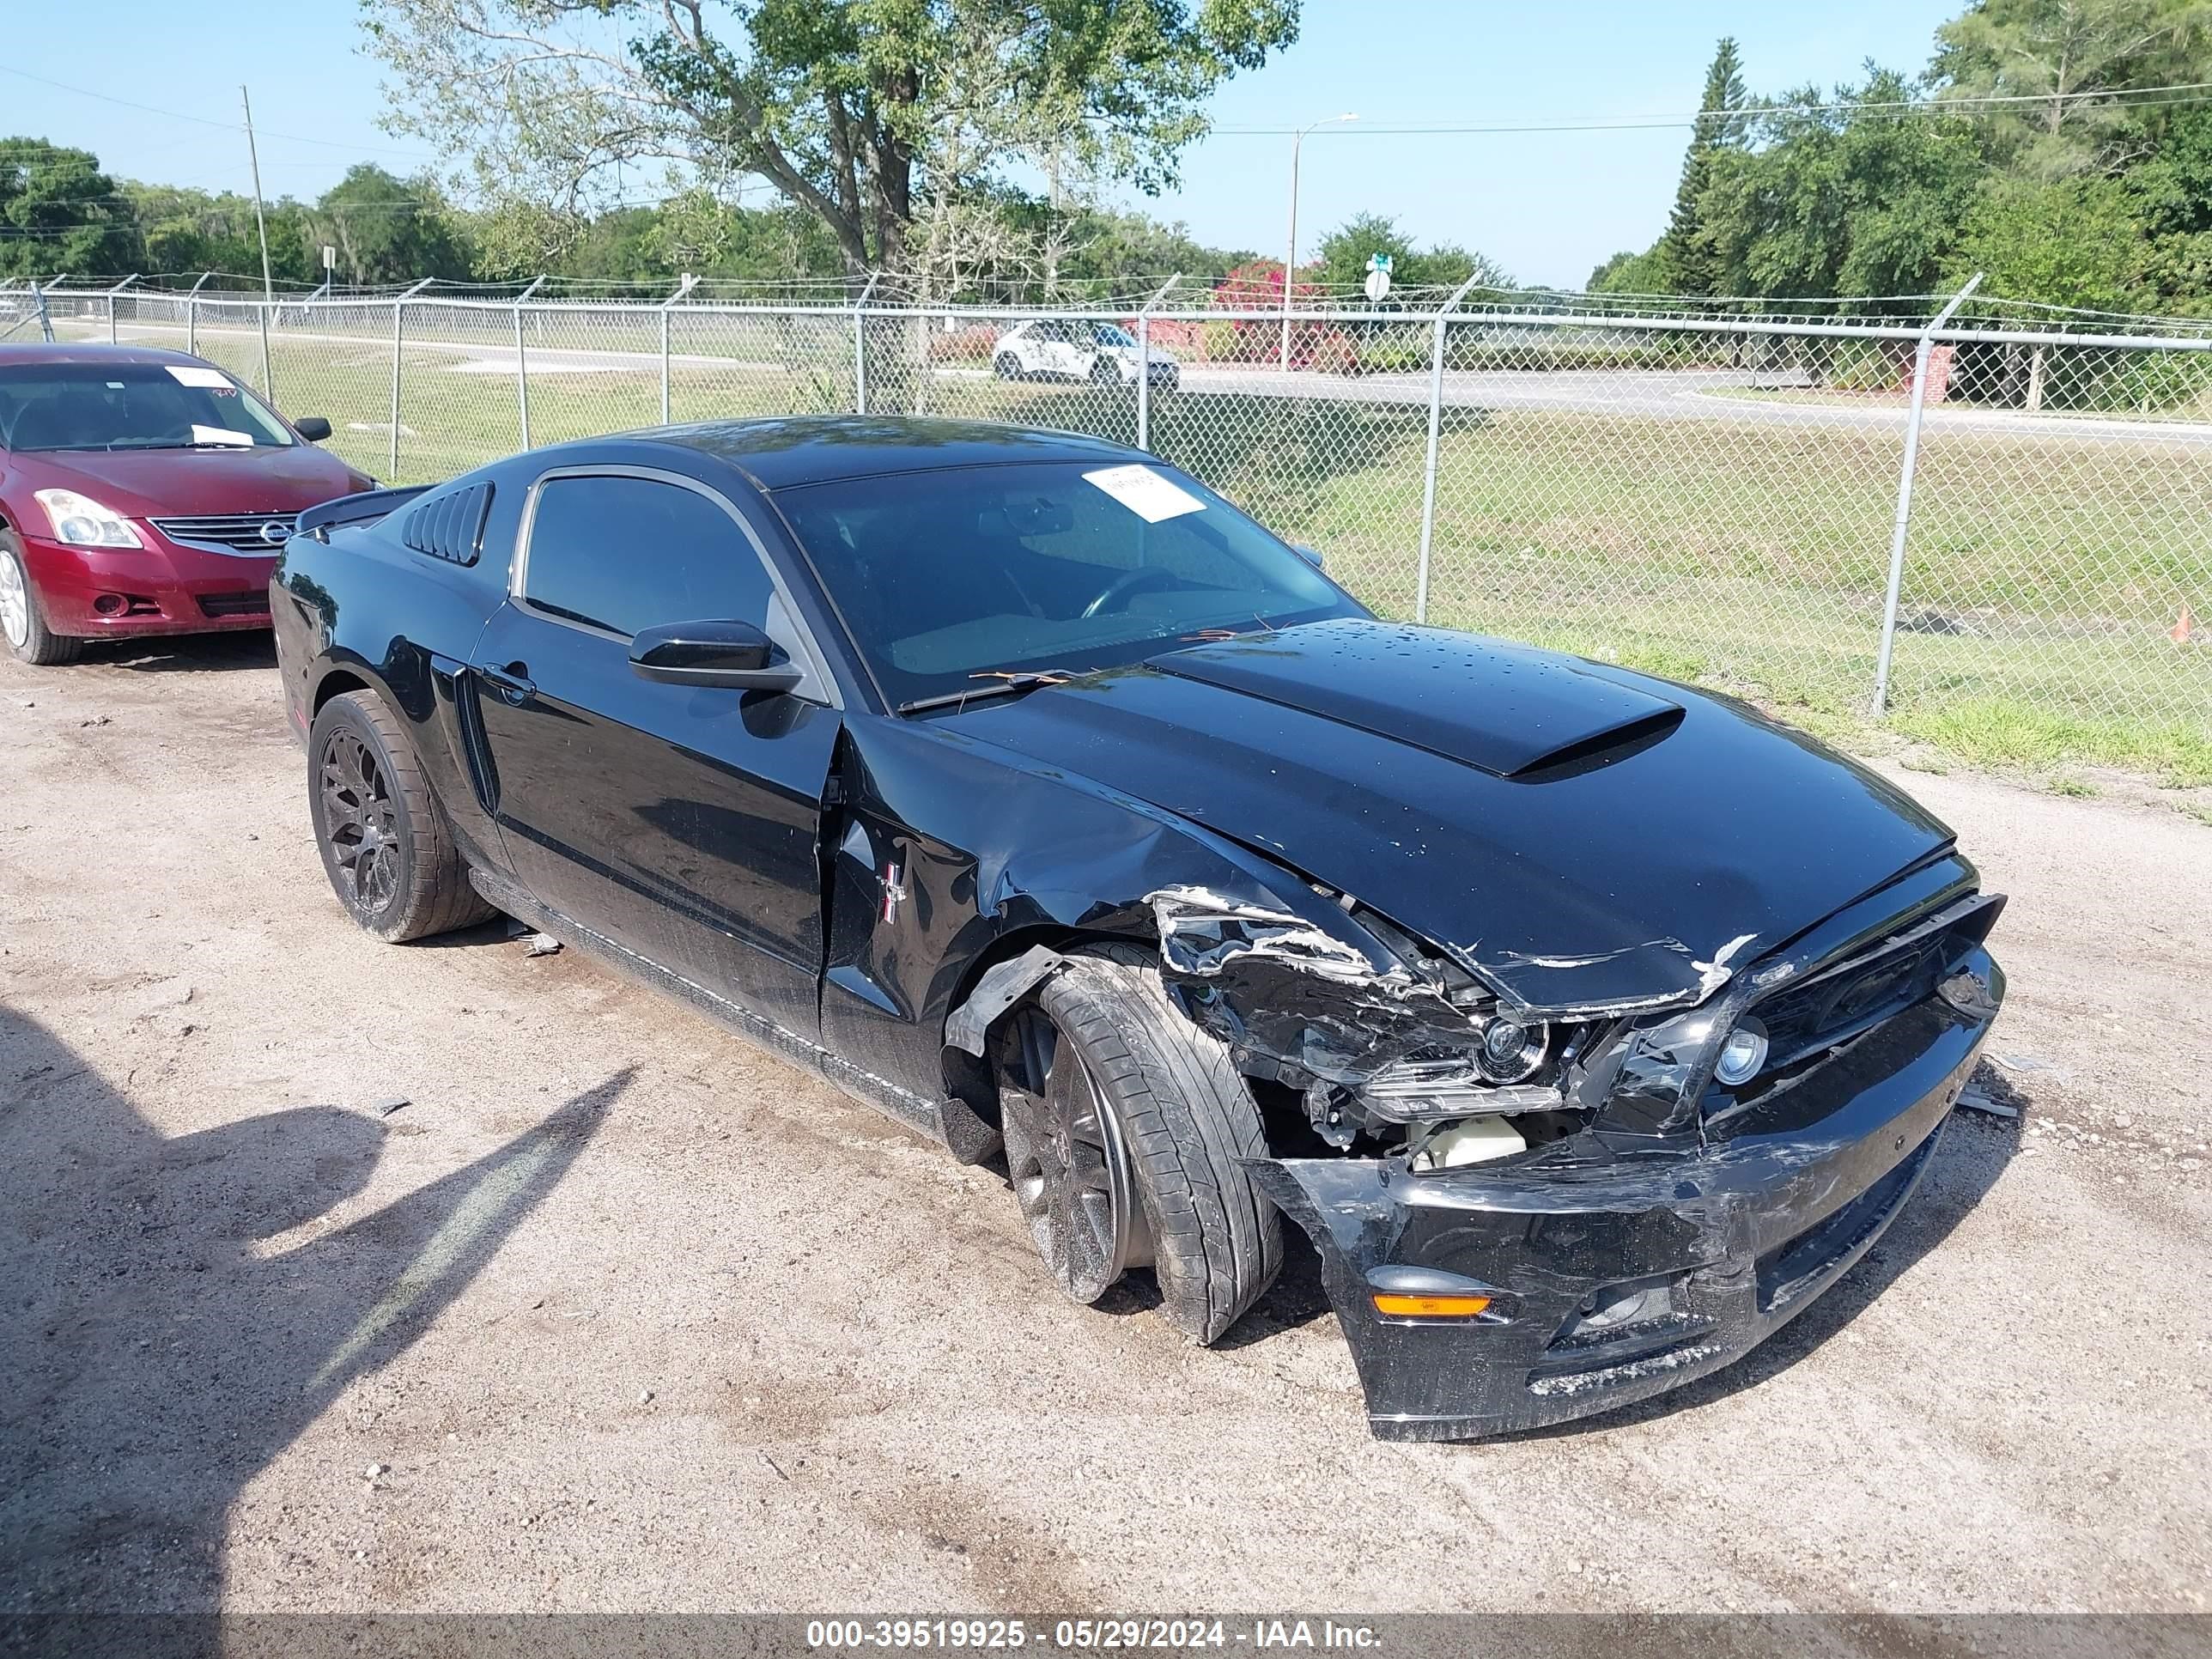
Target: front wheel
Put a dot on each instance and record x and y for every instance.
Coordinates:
(1006, 366)
(1124, 1126)
(22, 619)
(384, 844)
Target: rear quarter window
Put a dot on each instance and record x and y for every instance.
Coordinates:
(449, 524)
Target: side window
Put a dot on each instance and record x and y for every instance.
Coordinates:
(625, 554)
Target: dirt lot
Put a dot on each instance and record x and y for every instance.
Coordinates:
(614, 1314)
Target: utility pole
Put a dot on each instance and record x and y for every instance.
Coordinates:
(260, 219)
(1291, 256)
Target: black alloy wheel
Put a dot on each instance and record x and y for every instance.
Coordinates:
(385, 846)
(1067, 1159)
(360, 821)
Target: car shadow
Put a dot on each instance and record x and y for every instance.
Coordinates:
(164, 1338)
(199, 653)
(1972, 1156)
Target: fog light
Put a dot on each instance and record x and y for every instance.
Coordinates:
(108, 604)
(1743, 1055)
(1510, 1050)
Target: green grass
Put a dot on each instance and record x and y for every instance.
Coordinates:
(2042, 576)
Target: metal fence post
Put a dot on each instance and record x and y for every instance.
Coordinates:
(682, 287)
(191, 327)
(111, 293)
(1911, 463)
(1436, 434)
(398, 311)
(45, 317)
(522, 377)
(1145, 363)
(860, 344)
(268, 373)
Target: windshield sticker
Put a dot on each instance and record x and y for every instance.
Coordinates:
(220, 434)
(192, 375)
(1151, 495)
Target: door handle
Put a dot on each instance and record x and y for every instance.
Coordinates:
(513, 682)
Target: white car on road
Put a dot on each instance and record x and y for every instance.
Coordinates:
(1070, 349)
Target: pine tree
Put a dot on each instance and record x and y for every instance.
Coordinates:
(1685, 252)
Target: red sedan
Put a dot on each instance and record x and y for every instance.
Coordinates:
(142, 492)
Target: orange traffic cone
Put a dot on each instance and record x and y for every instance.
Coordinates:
(2183, 628)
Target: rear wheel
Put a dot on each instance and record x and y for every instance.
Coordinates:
(22, 619)
(384, 844)
(1124, 1124)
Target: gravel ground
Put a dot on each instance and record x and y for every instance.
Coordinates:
(614, 1314)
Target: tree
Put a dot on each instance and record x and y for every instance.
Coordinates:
(59, 212)
(1686, 257)
(388, 230)
(860, 112)
(2070, 59)
(2063, 242)
(1345, 252)
(1629, 272)
(1861, 199)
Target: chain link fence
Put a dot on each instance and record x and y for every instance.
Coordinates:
(1999, 532)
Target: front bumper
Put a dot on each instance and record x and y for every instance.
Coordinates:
(1707, 1249)
(99, 593)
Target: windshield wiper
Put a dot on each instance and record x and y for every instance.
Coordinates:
(1004, 683)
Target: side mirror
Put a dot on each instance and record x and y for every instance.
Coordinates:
(1311, 554)
(735, 655)
(314, 428)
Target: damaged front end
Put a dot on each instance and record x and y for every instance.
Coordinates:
(1526, 1214)
(1390, 1040)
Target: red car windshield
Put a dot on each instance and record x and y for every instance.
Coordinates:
(50, 406)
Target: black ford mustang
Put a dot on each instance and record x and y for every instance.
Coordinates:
(1021, 785)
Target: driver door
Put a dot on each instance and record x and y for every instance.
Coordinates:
(681, 823)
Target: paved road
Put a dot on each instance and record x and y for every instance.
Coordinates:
(616, 1314)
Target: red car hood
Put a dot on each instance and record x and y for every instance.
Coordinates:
(189, 482)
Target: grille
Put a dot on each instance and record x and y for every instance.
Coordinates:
(233, 604)
(234, 532)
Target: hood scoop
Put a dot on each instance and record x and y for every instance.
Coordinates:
(1512, 712)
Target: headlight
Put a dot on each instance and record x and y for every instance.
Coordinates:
(82, 522)
(1743, 1055)
(1510, 1051)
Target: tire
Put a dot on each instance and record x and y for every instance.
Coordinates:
(384, 844)
(1103, 371)
(23, 619)
(1006, 366)
(1176, 1116)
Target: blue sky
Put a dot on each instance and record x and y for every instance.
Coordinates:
(1546, 205)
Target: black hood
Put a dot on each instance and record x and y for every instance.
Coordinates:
(1584, 836)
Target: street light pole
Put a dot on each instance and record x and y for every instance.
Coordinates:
(1290, 258)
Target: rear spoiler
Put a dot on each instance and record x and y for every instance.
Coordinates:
(366, 507)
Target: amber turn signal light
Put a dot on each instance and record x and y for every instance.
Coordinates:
(1399, 1306)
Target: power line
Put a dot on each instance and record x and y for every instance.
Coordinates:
(1940, 105)
(209, 121)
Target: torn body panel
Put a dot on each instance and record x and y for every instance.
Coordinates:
(1615, 1274)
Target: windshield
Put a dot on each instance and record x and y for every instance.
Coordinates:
(942, 576)
(46, 406)
(1114, 334)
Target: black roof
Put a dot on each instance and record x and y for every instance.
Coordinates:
(804, 449)
(88, 351)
